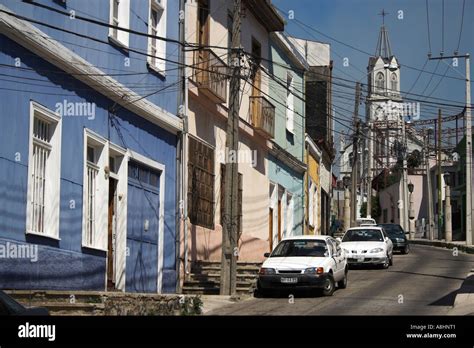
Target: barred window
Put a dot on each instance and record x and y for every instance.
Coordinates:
(44, 172)
(201, 184)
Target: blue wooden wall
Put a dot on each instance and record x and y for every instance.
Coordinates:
(64, 264)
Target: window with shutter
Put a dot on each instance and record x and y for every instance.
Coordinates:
(201, 184)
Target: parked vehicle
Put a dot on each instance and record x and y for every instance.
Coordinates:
(365, 221)
(398, 237)
(368, 245)
(304, 262)
(8, 306)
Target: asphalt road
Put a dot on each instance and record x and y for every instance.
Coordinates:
(424, 282)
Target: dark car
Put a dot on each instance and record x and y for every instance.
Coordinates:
(398, 237)
(8, 306)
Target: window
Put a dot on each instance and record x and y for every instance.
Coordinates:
(289, 103)
(394, 83)
(201, 183)
(230, 24)
(256, 76)
(95, 191)
(157, 27)
(239, 198)
(380, 82)
(203, 23)
(120, 17)
(44, 166)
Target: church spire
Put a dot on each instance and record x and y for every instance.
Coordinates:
(383, 44)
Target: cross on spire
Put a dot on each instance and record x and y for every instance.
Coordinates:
(383, 14)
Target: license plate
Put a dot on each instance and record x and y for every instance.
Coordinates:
(359, 258)
(289, 280)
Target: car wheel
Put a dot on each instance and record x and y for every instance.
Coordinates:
(342, 284)
(259, 292)
(329, 286)
(406, 250)
(386, 264)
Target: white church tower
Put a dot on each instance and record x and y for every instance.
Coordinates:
(384, 103)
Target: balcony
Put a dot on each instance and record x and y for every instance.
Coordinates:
(211, 75)
(262, 116)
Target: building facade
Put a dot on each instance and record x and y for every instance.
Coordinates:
(209, 23)
(286, 161)
(88, 147)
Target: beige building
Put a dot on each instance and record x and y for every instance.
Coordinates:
(209, 23)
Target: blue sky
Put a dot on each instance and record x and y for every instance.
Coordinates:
(356, 22)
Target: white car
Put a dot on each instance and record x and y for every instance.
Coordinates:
(307, 262)
(368, 245)
(365, 222)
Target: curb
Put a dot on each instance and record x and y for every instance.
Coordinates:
(469, 249)
(464, 301)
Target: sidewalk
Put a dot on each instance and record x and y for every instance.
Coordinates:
(212, 302)
(461, 246)
(464, 302)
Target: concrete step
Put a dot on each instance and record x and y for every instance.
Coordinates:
(213, 269)
(216, 276)
(200, 290)
(211, 283)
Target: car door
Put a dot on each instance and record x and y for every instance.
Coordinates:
(338, 257)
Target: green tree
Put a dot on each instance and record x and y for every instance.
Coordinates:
(376, 209)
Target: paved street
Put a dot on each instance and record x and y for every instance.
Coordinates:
(427, 278)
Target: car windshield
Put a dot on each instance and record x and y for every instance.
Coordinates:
(300, 247)
(392, 230)
(363, 235)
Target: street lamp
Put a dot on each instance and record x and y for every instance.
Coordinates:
(448, 216)
(411, 222)
(346, 180)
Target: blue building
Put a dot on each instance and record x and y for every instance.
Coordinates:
(88, 145)
(286, 165)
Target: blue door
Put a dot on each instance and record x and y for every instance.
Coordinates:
(142, 228)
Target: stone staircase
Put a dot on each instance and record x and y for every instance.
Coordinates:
(205, 278)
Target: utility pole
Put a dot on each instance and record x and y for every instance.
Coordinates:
(467, 117)
(404, 211)
(355, 157)
(468, 134)
(440, 193)
(448, 226)
(230, 226)
(369, 171)
(430, 191)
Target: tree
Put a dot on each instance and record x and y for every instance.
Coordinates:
(376, 209)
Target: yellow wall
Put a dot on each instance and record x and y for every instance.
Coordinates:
(313, 173)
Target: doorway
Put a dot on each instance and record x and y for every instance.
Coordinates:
(111, 234)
